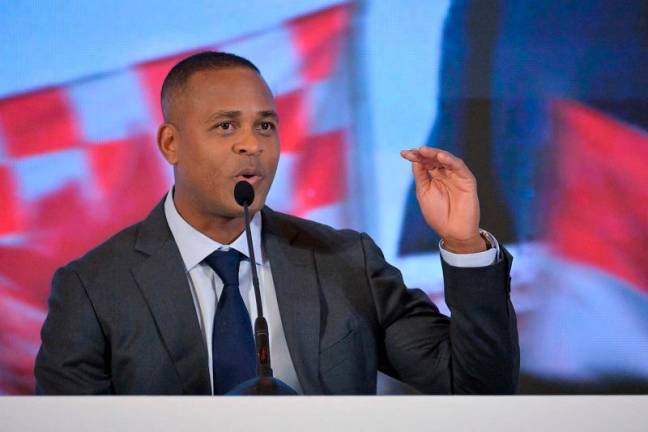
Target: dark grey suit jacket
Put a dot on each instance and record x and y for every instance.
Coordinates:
(122, 319)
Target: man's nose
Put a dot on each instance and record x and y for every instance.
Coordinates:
(249, 144)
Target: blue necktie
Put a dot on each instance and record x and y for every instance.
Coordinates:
(233, 352)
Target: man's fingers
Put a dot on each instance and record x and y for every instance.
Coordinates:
(426, 158)
(435, 159)
(420, 171)
(411, 155)
(429, 152)
(441, 157)
(421, 175)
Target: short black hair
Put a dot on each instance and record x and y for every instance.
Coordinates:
(185, 68)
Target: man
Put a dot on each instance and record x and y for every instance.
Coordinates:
(164, 306)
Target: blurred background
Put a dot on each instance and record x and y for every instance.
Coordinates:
(547, 102)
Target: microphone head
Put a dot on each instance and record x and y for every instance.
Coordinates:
(244, 193)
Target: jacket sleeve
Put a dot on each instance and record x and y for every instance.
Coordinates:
(475, 351)
(73, 357)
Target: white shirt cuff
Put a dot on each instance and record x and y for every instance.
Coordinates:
(479, 259)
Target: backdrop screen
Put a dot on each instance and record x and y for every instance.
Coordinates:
(546, 102)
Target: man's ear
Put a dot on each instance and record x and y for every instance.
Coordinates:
(167, 141)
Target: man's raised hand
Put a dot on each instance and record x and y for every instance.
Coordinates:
(447, 194)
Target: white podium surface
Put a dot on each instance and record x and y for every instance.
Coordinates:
(333, 413)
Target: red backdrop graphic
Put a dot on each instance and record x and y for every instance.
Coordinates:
(599, 213)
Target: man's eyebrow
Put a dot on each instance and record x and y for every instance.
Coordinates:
(227, 114)
(269, 113)
(236, 114)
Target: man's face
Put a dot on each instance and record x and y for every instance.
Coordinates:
(227, 132)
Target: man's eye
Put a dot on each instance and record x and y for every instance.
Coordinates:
(225, 125)
(267, 126)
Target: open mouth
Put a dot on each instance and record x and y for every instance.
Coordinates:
(249, 175)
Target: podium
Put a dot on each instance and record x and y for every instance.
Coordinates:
(324, 413)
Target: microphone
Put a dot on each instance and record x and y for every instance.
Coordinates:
(265, 383)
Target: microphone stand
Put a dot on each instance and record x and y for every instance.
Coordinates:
(264, 368)
(265, 383)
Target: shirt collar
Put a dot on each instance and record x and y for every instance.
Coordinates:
(194, 246)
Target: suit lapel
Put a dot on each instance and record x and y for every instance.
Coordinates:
(296, 285)
(163, 282)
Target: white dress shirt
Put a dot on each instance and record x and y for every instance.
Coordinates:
(479, 259)
(206, 286)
